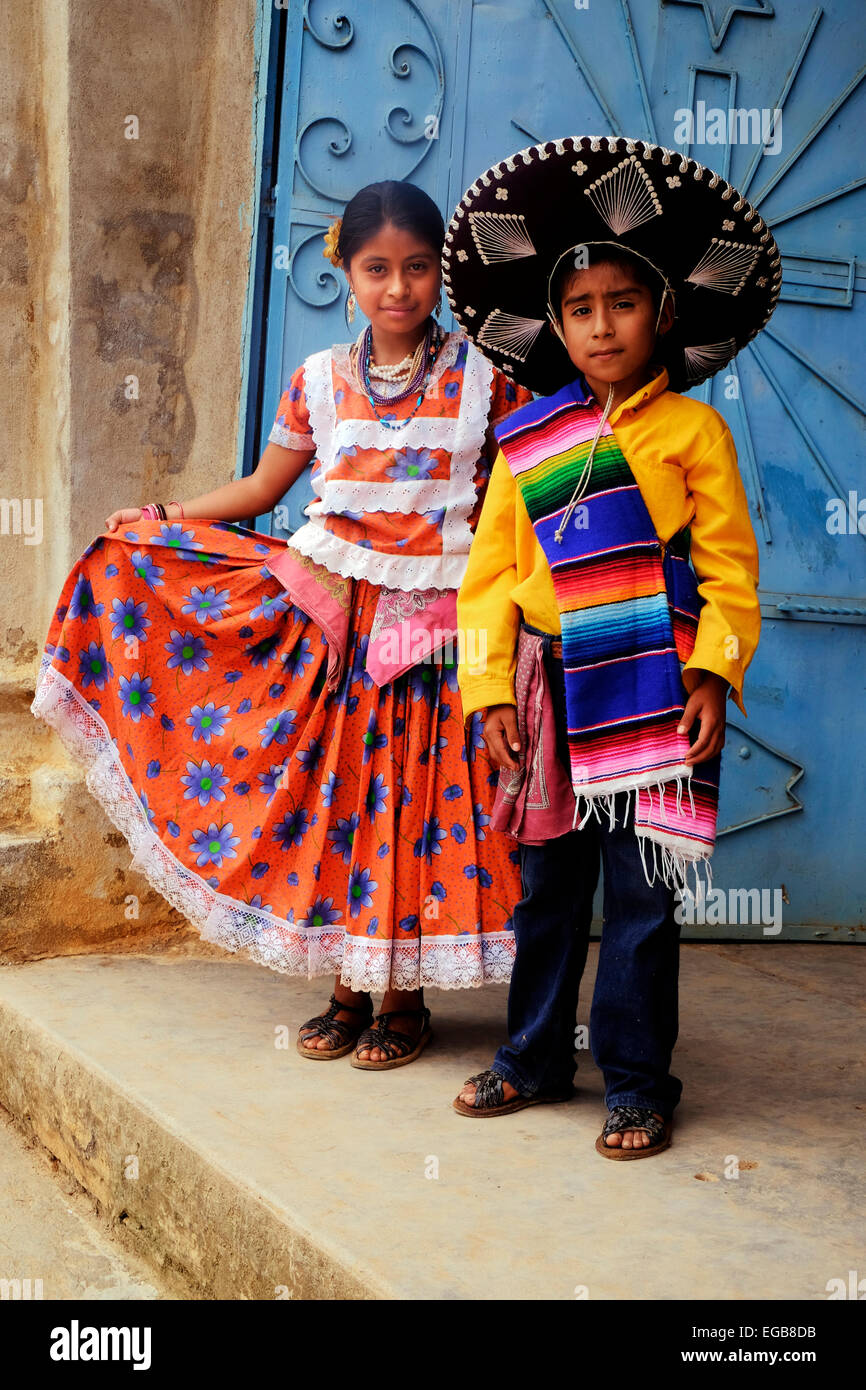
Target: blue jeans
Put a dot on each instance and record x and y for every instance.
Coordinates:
(634, 1018)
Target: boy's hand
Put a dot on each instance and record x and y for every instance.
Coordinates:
(706, 703)
(500, 735)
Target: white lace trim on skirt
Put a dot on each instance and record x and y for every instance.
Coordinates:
(450, 963)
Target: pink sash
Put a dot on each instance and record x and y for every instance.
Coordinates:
(407, 627)
(535, 803)
(325, 597)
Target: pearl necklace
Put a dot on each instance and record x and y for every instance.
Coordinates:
(393, 371)
(419, 361)
(396, 372)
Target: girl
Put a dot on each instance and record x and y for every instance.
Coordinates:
(276, 726)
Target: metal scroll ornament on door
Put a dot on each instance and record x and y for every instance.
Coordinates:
(770, 95)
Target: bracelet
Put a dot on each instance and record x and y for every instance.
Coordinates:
(155, 511)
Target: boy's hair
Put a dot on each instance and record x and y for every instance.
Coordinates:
(606, 255)
(403, 204)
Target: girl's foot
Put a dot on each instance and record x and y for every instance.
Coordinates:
(411, 1026)
(311, 1041)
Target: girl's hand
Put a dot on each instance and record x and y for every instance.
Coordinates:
(706, 703)
(126, 514)
(501, 736)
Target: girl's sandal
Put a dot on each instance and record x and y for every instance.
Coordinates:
(490, 1100)
(339, 1033)
(399, 1048)
(624, 1117)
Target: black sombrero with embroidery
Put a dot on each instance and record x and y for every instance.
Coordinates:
(515, 223)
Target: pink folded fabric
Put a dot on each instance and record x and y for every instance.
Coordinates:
(408, 628)
(323, 596)
(535, 803)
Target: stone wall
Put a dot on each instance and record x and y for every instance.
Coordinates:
(127, 216)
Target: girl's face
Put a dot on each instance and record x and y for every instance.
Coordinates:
(396, 278)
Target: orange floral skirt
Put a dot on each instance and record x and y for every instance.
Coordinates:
(315, 832)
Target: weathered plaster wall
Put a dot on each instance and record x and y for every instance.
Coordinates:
(121, 258)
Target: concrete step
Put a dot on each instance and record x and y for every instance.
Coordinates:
(15, 846)
(172, 1091)
(37, 775)
(24, 742)
(53, 903)
(20, 733)
(47, 1217)
(14, 802)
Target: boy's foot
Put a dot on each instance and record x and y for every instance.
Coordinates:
(647, 1130)
(490, 1094)
(631, 1138)
(467, 1095)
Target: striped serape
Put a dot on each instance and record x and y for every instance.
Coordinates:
(629, 617)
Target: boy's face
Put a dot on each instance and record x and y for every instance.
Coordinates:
(609, 323)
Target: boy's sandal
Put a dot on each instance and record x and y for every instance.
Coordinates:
(490, 1100)
(340, 1033)
(624, 1117)
(399, 1048)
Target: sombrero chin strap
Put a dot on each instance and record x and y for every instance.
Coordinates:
(583, 480)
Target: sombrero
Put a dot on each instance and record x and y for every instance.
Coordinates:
(515, 222)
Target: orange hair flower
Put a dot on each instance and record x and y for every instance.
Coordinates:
(332, 236)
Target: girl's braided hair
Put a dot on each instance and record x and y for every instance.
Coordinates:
(402, 204)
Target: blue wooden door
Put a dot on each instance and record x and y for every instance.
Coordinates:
(434, 93)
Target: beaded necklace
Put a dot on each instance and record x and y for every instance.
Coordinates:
(420, 377)
(400, 371)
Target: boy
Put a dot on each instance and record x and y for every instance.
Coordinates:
(609, 663)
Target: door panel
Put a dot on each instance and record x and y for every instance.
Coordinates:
(435, 93)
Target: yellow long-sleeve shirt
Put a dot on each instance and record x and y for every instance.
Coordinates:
(683, 459)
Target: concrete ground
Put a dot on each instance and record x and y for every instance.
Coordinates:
(173, 1092)
(52, 1242)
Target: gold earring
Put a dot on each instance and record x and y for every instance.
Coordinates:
(438, 310)
(351, 305)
